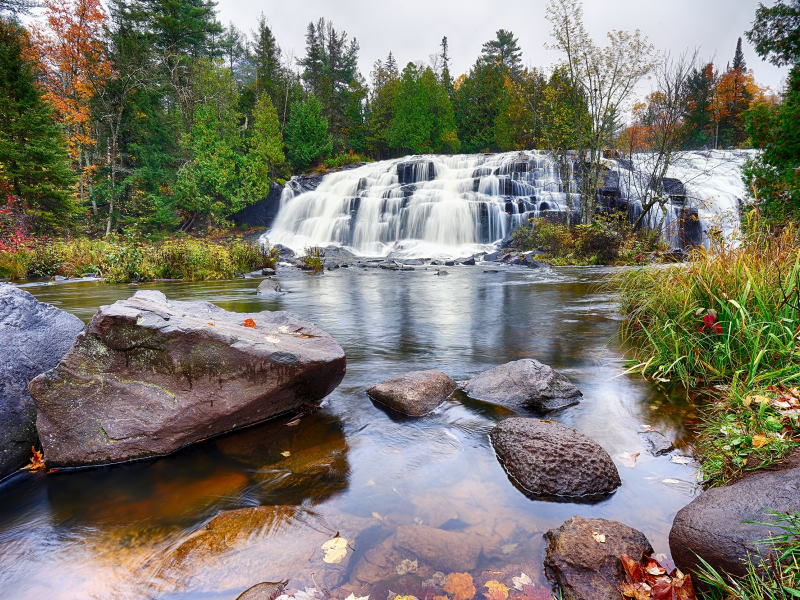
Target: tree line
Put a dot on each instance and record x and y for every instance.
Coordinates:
(152, 116)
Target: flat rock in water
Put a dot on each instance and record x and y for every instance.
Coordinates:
(269, 287)
(415, 393)
(548, 458)
(714, 525)
(587, 568)
(443, 550)
(262, 591)
(149, 376)
(440, 272)
(657, 443)
(525, 383)
(34, 338)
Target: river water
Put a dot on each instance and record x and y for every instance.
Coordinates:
(137, 530)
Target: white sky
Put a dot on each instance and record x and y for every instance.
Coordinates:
(412, 29)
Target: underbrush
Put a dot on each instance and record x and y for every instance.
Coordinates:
(127, 259)
(608, 240)
(776, 577)
(342, 159)
(311, 260)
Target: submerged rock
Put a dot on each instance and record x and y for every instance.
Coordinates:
(269, 287)
(589, 569)
(34, 338)
(657, 443)
(548, 458)
(262, 591)
(149, 376)
(525, 383)
(443, 550)
(714, 525)
(415, 393)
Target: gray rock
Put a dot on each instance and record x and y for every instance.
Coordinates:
(714, 526)
(262, 591)
(34, 338)
(548, 458)
(284, 252)
(492, 256)
(442, 272)
(149, 376)
(525, 383)
(268, 272)
(269, 287)
(469, 262)
(586, 569)
(416, 393)
(415, 262)
(657, 443)
(437, 263)
(449, 263)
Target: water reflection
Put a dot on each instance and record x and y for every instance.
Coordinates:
(256, 505)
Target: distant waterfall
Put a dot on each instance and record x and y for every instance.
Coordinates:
(460, 205)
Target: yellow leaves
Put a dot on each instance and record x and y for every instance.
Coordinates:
(460, 585)
(760, 440)
(286, 454)
(335, 550)
(628, 458)
(757, 399)
(600, 538)
(37, 462)
(497, 591)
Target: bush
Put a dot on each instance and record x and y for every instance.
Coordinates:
(342, 159)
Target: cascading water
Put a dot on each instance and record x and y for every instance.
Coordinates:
(451, 206)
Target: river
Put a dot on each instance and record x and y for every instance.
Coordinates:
(115, 531)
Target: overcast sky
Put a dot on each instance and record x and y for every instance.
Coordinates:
(412, 29)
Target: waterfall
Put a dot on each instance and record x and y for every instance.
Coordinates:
(452, 206)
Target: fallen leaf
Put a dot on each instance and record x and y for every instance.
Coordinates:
(648, 428)
(628, 458)
(438, 579)
(599, 537)
(283, 329)
(518, 582)
(212, 324)
(460, 585)
(497, 590)
(286, 453)
(681, 460)
(37, 462)
(529, 592)
(377, 516)
(293, 423)
(273, 339)
(760, 440)
(335, 550)
(399, 597)
(508, 548)
(407, 566)
(250, 323)
(670, 481)
(354, 597)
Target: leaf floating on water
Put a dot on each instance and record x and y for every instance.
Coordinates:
(681, 460)
(508, 549)
(760, 440)
(293, 423)
(599, 537)
(648, 428)
(651, 581)
(354, 597)
(520, 581)
(628, 458)
(37, 462)
(497, 590)
(377, 516)
(250, 323)
(286, 453)
(460, 585)
(670, 481)
(335, 550)
(212, 324)
(407, 566)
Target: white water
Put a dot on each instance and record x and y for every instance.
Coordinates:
(454, 206)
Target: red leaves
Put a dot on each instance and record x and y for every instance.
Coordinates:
(37, 462)
(530, 592)
(710, 323)
(650, 581)
(250, 323)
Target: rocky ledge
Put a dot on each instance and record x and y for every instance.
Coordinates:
(149, 376)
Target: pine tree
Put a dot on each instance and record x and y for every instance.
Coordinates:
(447, 79)
(504, 49)
(184, 28)
(738, 57)
(306, 135)
(266, 57)
(265, 160)
(34, 163)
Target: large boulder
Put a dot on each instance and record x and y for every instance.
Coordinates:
(34, 338)
(415, 393)
(525, 383)
(714, 525)
(583, 556)
(150, 375)
(548, 458)
(269, 287)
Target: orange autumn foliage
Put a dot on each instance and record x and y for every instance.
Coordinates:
(460, 585)
(250, 323)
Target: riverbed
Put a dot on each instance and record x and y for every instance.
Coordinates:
(123, 531)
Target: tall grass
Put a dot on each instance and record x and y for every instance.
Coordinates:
(732, 310)
(134, 259)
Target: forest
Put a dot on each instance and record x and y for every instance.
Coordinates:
(152, 117)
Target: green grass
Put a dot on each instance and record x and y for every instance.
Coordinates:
(127, 259)
(775, 578)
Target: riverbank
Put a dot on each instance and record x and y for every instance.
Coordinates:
(127, 259)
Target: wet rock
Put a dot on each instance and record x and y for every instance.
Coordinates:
(714, 525)
(284, 252)
(34, 338)
(469, 262)
(525, 383)
(262, 591)
(149, 376)
(585, 568)
(413, 262)
(442, 272)
(492, 256)
(416, 393)
(437, 263)
(548, 458)
(269, 287)
(657, 443)
(446, 551)
(449, 263)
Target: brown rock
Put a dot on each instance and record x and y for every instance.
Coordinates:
(588, 569)
(548, 458)
(149, 376)
(443, 550)
(416, 393)
(262, 591)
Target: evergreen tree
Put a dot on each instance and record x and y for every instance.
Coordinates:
(698, 127)
(264, 161)
(738, 57)
(266, 57)
(479, 97)
(306, 134)
(233, 47)
(381, 107)
(776, 32)
(34, 161)
(505, 50)
(184, 28)
(447, 79)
